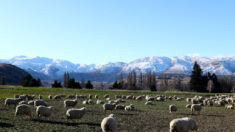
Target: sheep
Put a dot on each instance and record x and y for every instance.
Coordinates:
(49, 97)
(108, 107)
(130, 107)
(119, 107)
(188, 106)
(23, 102)
(71, 96)
(40, 102)
(85, 102)
(44, 111)
(96, 96)
(76, 113)
(17, 96)
(106, 96)
(99, 101)
(183, 125)
(23, 97)
(90, 96)
(196, 107)
(57, 97)
(188, 100)
(118, 96)
(12, 101)
(23, 109)
(30, 97)
(149, 103)
(172, 108)
(31, 102)
(139, 97)
(70, 103)
(90, 101)
(229, 107)
(194, 101)
(109, 124)
(40, 96)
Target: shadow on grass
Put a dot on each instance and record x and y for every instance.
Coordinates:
(6, 125)
(66, 123)
(189, 114)
(3, 118)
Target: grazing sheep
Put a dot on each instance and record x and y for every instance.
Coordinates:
(109, 124)
(57, 97)
(130, 107)
(188, 100)
(188, 106)
(12, 101)
(99, 101)
(49, 97)
(44, 111)
(96, 96)
(23, 102)
(118, 96)
(119, 107)
(139, 98)
(23, 97)
(40, 102)
(90, 96)
(106, 96)
(70, 103)
(90, 101)
(149, 103)
(40, 96)
(76, 113)
(17, 96)
(85, 102)
(221, 103)
(194, 101)
(31, 102)
(183, 125)
(229, 107)
(23, 109)
(172, 108)
(196, 107)
(71, 96)
(108, 107)
(30, 97)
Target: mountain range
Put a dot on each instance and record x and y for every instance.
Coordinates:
(47, 68)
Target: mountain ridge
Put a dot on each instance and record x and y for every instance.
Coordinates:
(53, 68)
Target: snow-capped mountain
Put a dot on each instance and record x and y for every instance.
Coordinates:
(178, 64)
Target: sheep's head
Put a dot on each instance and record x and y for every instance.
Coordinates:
(111, 115)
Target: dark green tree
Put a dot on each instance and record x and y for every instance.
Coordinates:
(71, 83)
(116, 85)
(197, 81)
(2, 81)
(89, 85)
(56, 84)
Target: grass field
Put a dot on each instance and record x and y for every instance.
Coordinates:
(153, 118)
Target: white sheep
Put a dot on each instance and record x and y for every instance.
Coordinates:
(12, 101)
(229, 106)
(50, 97)
(40, 96)
(196, 107)
(40, 102)
(23, 102)
(96, 96)
(23, 109)
(109, 124)
(188, 106)
(119, 107)
(90, 101)
(183, 125)
(172, 108)
(106, 96)
(70, 103)
(44, 111)
(85, 102)
(99, 101)
(149, 103)
(76, 113)
(130, 107)
(108, 107)
(31, 102)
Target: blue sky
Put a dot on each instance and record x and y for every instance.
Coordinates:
(98, 31)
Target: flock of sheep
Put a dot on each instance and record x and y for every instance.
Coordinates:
(24, 105)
